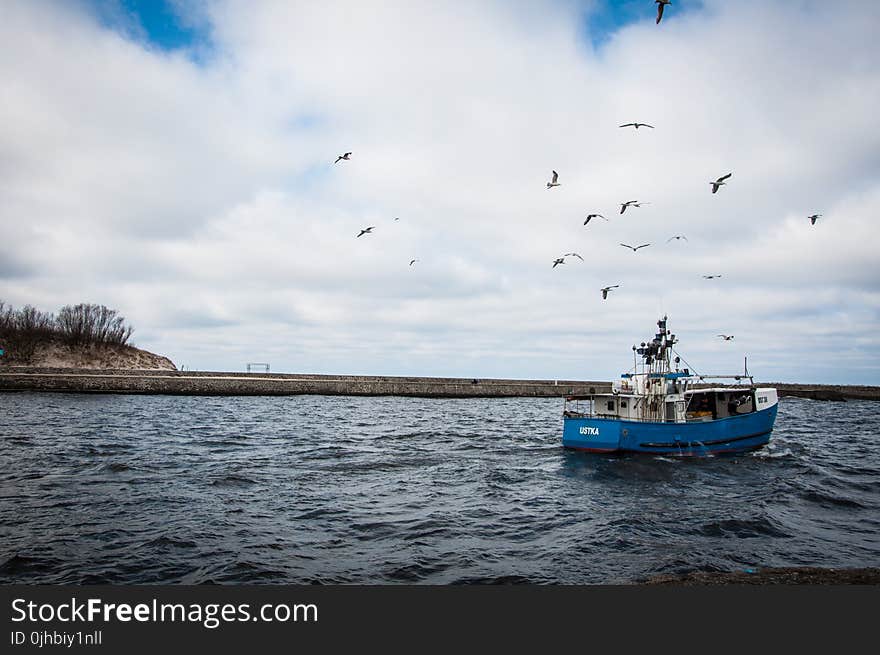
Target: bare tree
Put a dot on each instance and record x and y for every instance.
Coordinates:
(80, 325)
(6, 317)
(31, 320)
(87, 324)
(23, 329)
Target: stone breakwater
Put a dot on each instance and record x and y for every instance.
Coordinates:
(206, 383)
(202, 383)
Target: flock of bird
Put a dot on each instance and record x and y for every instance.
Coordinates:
(717, 184)
(554, 182)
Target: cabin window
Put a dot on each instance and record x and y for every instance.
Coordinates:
(622, 404)
(701, 403)
(700, 406)
(610, 405)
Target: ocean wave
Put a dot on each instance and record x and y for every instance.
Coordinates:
(400, 491)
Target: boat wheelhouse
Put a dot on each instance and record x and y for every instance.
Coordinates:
(662, 408)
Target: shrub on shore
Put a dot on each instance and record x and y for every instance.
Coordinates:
(77, 326)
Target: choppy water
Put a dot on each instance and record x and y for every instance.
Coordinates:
(159, 489)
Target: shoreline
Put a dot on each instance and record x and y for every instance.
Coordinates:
(787, 575)
(210, 383)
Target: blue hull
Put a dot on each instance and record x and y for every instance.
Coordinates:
(726, 435)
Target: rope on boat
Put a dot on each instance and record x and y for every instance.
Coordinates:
(686, 362)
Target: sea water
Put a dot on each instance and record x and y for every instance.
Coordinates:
(127, 489)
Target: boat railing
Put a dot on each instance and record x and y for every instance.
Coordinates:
(699, 379)
(592, 406)
(633, 419)
(574, 409)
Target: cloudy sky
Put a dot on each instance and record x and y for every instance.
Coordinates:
(175, 161)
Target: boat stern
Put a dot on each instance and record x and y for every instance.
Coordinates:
(591, 434)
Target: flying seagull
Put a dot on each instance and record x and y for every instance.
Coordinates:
(677, 236)
(605, 290)
(636, 125)
(557, 261)
(660, 5)
(726, 337)
(717, 184)
(366, 230)
(592, 216)
(552, 183)
(630, 203)
(813, 218)
(397, 218)
(634, 248)
(346, 157)
(709, 277)
(573, 254)
(412, 261)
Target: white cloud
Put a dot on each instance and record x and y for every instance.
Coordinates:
(201, 199)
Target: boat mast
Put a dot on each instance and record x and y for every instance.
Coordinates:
(653, 370)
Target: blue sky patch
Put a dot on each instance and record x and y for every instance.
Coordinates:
(159, 24)
(607, 17)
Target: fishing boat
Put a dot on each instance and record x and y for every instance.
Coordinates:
(661, 408)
